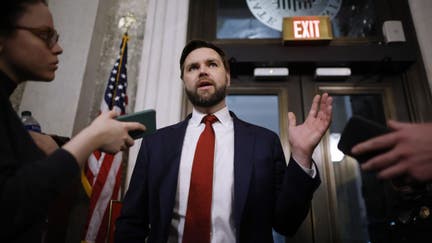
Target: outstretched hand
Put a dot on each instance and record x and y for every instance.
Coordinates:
(305, 137)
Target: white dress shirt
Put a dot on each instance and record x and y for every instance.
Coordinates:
(222, 229)
(222, 222)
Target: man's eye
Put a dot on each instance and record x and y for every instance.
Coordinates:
(192, 68)
(213, 64)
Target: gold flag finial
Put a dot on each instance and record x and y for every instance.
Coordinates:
(126, 22)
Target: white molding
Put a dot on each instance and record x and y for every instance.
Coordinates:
(420, 12)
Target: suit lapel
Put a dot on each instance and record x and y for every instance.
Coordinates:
(244, 141)
(173, 140)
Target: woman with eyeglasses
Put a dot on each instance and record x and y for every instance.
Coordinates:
(32, 176)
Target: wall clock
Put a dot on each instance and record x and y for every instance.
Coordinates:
(272, 12)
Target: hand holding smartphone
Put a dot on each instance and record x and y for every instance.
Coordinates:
(357, 130)
(146, 117)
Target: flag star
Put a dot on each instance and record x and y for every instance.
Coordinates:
(109, 95)
(110, 86)
(123, 75)
(120, 86)
(112, 79)
(117, 98)
(116, 64)
(114, 71)
(123, 95)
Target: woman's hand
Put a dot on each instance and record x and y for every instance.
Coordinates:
(104, 133)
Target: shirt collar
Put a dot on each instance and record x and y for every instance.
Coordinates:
(223, 116)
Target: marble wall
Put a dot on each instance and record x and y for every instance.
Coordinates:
(105, 48)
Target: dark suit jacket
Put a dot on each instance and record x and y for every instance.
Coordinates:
(267, 193)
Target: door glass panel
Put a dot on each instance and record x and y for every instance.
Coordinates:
(235, 20)
(261, 110)
(356, 211)
(368, 209)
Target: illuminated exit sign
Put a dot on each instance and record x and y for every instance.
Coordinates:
(307, 28)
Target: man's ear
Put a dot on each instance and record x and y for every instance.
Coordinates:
(228, 78)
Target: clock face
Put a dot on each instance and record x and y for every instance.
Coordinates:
(272, 12)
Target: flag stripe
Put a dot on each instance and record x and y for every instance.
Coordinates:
(100, 205)
(94, 164)
(101, 180)
(116, 196)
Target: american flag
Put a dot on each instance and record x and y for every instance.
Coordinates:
(101, 177)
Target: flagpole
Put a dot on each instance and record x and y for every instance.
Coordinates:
(125, 39)
(125, 23)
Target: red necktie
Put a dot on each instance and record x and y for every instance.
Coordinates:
(198, 214)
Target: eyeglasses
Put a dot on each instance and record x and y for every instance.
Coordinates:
(48, 35)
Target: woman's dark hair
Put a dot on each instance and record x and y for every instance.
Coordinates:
(11, 11)
(195, 44)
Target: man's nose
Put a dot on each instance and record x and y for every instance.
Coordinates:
(203, 70)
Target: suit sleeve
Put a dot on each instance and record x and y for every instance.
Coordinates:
(294, 192)
(133, 222)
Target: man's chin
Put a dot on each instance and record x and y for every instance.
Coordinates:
(205, 92)
(207, 101)
(206, 95)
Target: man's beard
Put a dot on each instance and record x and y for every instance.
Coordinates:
(209, 101)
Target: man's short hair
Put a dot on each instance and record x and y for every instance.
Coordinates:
(196, 44)
(11, 11)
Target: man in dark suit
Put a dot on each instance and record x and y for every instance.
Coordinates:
(248, 190)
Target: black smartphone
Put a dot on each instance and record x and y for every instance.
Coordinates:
(146, 117)
(359, 129)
